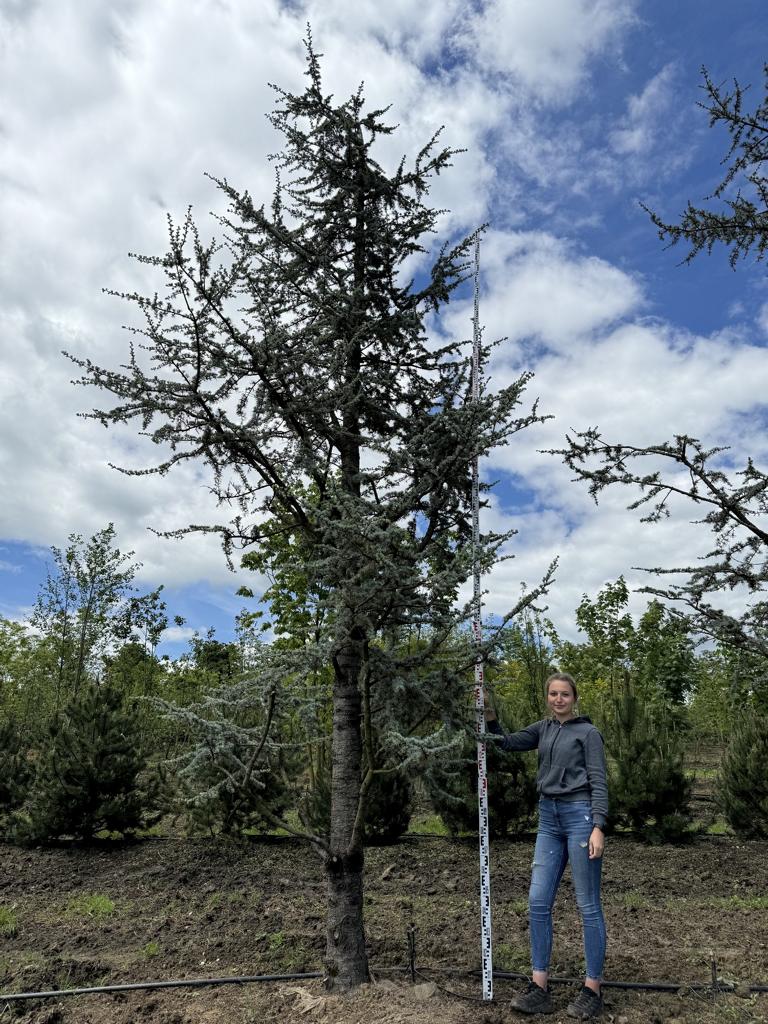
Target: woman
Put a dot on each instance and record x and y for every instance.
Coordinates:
(573, 807)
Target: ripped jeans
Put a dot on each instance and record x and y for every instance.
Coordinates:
(564, 831)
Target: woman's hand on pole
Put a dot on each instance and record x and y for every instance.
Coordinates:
(596, 844)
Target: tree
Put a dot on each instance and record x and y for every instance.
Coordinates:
(527, 660)
(743, 225)
(451, 784)
(734, 503)
(15, 771)
(736, 510)
(295, 354)
(88, 775)
(88, 605)
(662, 655)
(648, 787)
(743, 781)
(610, 630)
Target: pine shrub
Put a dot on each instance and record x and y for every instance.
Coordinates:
(512, 798)
(15, 772)
(648, 788)
(743, 783)
(91, 772)
(388, 806)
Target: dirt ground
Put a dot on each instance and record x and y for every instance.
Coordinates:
(181, 908)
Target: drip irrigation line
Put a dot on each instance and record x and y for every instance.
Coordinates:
(143, 986)
(640, 986)
(249, 979)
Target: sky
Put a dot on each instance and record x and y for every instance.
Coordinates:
(571, 113)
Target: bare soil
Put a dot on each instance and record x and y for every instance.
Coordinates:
(203, 908)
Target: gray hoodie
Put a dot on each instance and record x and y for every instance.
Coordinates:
(571, 760)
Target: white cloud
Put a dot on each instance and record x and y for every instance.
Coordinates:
(177, 634)
(545, 46)
(654, 138)
(539, 290)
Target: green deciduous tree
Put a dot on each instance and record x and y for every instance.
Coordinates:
(295, 354)
(662, 656)
(87, 606)
(527, 659)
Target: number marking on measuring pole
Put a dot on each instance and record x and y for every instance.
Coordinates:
(477, 634)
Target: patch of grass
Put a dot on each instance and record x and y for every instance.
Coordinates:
(518, 905)
(511, 958)
(93, 904)
(719, 828)
(286, 952)
(738, 902)
(635, 901)
(151, 949)
(9, 926)
(428, 824)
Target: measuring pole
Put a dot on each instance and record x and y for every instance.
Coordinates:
(477, 633)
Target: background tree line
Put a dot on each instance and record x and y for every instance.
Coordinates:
(101, 735)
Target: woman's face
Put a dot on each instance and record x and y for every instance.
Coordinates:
(560, 699)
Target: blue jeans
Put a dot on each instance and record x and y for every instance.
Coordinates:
(564, 831)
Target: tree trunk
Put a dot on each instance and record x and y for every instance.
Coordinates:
(346, 961)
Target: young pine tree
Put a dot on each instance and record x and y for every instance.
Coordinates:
(648, 788)
(15, 772)
(452, 787)
(743, 783)
(88, 777)
(293, 359)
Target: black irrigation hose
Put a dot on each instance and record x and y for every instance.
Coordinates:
(641, 986)
(246, 979)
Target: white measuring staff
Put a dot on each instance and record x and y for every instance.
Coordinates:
(477, 633)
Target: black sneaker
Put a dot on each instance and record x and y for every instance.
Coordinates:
(587, 1004)
(534, 1000)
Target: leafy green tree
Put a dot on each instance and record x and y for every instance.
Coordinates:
(89, 775)
(88, 605)
(710, 708)
(743, 783)
(133, 670)
(610, 630)
(729, 681)
(527, 659)
(24, 663)
(662, 656)
(296, 354)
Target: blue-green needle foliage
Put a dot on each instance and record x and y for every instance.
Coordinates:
(292, 359)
